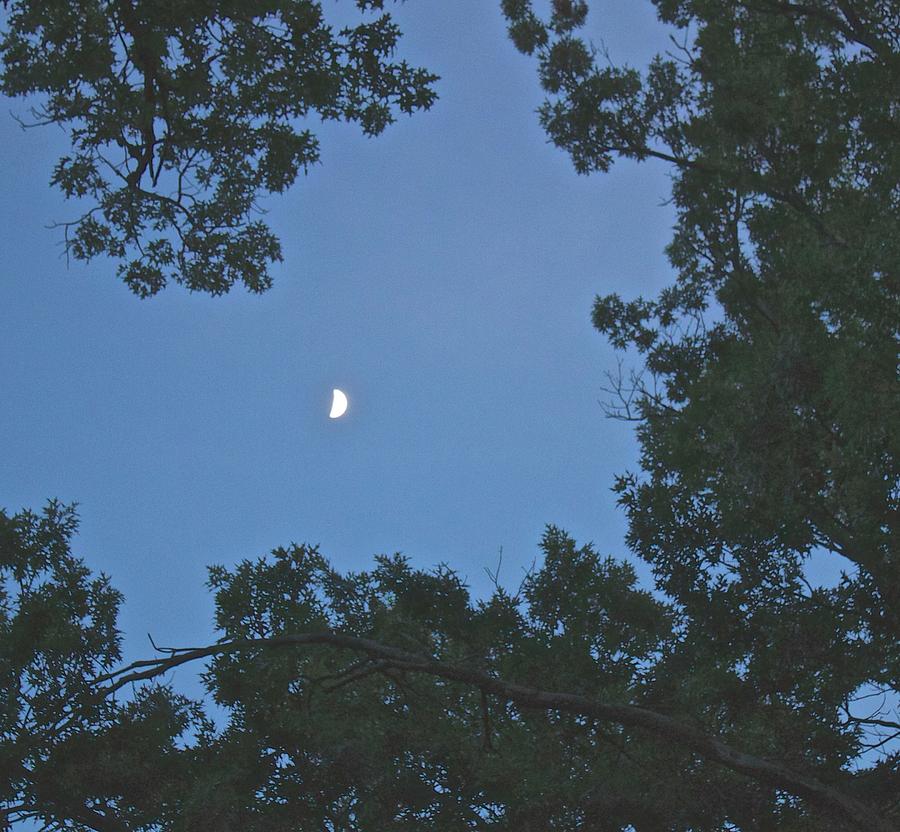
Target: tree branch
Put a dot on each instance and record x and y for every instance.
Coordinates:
(825, 796)
(757, 182)
(851, 27)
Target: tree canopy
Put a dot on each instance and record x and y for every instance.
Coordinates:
(738, 695)
(389, 699)
(181, 115)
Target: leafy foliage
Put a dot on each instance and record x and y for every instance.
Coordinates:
(764, 408)
(768, 410)
(740, 696)
(57, 634)
(319, 736)
(182, 114)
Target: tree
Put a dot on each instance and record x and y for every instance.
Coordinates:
(734, 698)
(182, 114)
(764, 406)
(539, 709)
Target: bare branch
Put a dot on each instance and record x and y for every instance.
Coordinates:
(884, 723)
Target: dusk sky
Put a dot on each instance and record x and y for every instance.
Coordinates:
(441, 274)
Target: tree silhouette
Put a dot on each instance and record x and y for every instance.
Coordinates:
(740, 696)
(182, 114)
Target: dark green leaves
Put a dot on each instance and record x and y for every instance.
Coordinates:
(765, 408)
(57, 631)
(398, 750)
(182, 115)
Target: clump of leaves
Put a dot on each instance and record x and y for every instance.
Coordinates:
(182, 114)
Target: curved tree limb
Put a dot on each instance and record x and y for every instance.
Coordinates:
(825, 796)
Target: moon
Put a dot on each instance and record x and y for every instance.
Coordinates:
(338, 404)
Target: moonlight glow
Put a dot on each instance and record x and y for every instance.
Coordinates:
(338, 404)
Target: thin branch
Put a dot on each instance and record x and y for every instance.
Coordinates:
(494, 576)
(872, 746)
(351, 674)
(884, 723)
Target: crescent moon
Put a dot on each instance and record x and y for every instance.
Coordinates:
(338, 404)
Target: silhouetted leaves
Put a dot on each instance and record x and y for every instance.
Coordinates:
(765, 405)
(764, 414)
(182, 115)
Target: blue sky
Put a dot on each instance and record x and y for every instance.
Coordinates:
(441, 274)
